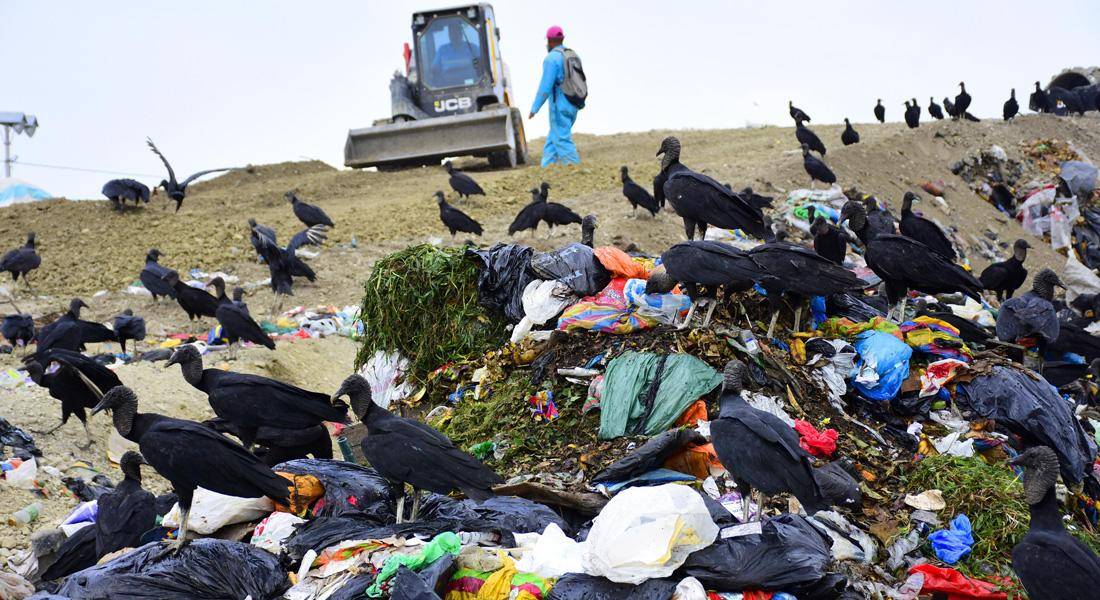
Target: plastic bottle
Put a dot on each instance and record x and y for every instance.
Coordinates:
(27, 514)
(750, 343)
(345, 449)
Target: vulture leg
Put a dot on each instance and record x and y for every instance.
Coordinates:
(88, 433)
(174, 547)
(416, 504)
(798, 318)
(689, 229)
(687, 319)
(746, 509)
(901, 308)
(30, 288)
(771, 326)
(401, 505)
(760, 500)
(50, 431)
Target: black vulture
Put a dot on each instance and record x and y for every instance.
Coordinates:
(912, 115)
(1011, 108)
(707, 265)
(1051, 563)
(838, 483)
(878, 220)
(190, 455)
(238, 299)
(816, 168)
(799, 273)
(1074, 339)
(236, 323)
(588, 230)
(904, 263)
(880, 111)
(924, 230)
(177, 190)
(554, 213)
(759, 450)
(753, 198)
(1007, 276)
(797, 113)
(278, 265)
(1039, 101)
(830, 241)
(76, 380)
(462, 183)
(252, 401)
(284, 262)
(949, 108)
(281, 445)
(659, 188)
(1070, 101)
(702, 201)
(934, 109)
(916, 112)
(307, 213)
(310, 236)
(154, 276)
(127, 326)
(126, 512)
(76, 553)
(850, 135)
(21, 261)
(1032, 314)
(195, 302)
(962, 100)
(637, 195)
(259, 229)
(806, 137)
(1002, 197)
(455, 220)
(529, 216)
(18, 329)
(118, 191)
(408, 451)
(86, 332)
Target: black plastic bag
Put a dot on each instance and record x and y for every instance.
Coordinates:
(651, 455)
(437, 507)
(502, 277)
(354, 588)
(788, 553)
(577, 586)
(838, 486)
(322, 532)
(10, 435)
(504, 513)
(205, 569)
(911, 404)
(349, 488)
(575, 265)
(852, 307)
(429, 583)
(1033, 410)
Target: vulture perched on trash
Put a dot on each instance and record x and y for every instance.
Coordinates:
(759, 450)
(923, 230)
(177, 190)
(553, 213)
(118, 191)
(816, 168)
(236, 323)
(462, 183)
(18, 329)
(806, 137)
(880, 111)
(702, 201)
(850, 135)
(1031, 315)
(190, 455)
(703, 267)
(408, 451)
(830, 241)
(1051, 563)
(128, 326)
(637, 195)
(307, 213)
(934, 109)
(126, 512)
(21, 261)
(797, 114)
(1011, 107)
(154, 276)
(455, 220)
(1007, 276)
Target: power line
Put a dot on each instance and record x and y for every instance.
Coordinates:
(63, 168)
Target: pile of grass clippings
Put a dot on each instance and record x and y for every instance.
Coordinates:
(423, 303)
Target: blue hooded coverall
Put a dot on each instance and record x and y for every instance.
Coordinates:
(559, 147)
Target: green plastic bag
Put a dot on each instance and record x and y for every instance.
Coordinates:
(683, 379)
(444, 543)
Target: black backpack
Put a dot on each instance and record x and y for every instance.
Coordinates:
(574, 85)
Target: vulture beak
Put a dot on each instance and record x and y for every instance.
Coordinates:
(172, 360)
(340, 393)
(99, 407)
(1015, 460)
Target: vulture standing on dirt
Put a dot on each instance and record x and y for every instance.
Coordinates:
(1039, 101)
(278, 266)
(118, 191)
(455, 220)
(707, 265)
(1007, 276)
(850, 135)
(759, 450)
(1011, 108)
(408, 451)
(86, 332)
(637, 195)
(949, 108)
(190, 455)
(21, 261)
(529, 216)
(797, 114)
(830, 241)
(251, 401)
(934, 109)
(554, 213)
(462, 183)
(236, 323)
(126, 512)
(962, 100)
(1032, 314)
(238, 299)
(154, 276)
(807, 137)
(18, 329)
(308, 214)
(816, 168)
(912, 115)
(924, 230)
(799, 273)
(702, 201)
(880, 111)
(904, 263)
(1051, 563)
(127, 326)
(177, 190)
(195, 302)
(78, 382)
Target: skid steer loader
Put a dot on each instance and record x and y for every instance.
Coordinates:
(454, 99)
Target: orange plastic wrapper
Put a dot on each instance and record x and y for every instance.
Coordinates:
(304, 491)
(620, 263)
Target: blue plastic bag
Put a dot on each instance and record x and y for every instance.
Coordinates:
(952, 545)
(882, 365)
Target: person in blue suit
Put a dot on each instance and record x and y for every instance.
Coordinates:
(559, 146)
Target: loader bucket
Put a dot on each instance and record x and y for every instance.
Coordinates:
(430, 140)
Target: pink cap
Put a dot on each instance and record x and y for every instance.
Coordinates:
(554, 33)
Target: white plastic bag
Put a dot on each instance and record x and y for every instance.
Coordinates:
(1078, 279)
(271, 532)
(385, 372)
(210, 511)
(647, 532)
(542, 300)
(24, 475)
(550, 554)
(118, 445)
(689, 588)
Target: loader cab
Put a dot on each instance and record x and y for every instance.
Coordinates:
(456, 64)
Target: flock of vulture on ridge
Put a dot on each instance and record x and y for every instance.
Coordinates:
(276, 421)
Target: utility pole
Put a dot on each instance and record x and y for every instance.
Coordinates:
(21, 123)
(7, 150)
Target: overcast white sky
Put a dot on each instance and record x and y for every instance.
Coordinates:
(219, 83)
